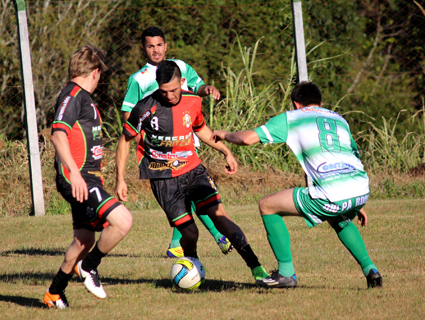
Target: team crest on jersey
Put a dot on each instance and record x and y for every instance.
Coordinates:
(187, 120)
(171, 164)
(211, 181)
(90, 214)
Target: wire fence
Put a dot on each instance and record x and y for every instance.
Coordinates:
(365, 55)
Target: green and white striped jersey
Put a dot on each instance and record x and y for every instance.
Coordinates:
(143, 83)
(322, 142)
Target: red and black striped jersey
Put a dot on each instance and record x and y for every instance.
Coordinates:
(168, 149)
(78, 117)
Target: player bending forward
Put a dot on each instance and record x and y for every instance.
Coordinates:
(169, 116)
(322, 142)
(77, 138)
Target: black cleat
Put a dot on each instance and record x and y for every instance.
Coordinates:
(374, 279)
(276, 280)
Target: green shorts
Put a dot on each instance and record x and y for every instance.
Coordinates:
(316, 211)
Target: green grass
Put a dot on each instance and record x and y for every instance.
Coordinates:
(136, 273)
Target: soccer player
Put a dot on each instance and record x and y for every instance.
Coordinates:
(143, 83)
(169, 117)
(322, 142)
(77, 138)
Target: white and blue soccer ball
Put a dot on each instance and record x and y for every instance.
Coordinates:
(187, 273)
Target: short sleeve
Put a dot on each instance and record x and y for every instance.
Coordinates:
(274, 131)
(132, 95)
(194, 82)
(66, 115)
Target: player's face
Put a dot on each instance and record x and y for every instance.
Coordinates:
(171, 91)
(155, 49)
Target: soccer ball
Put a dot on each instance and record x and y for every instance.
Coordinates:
(187, 273)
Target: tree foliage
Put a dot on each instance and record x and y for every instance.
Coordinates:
(366, 55)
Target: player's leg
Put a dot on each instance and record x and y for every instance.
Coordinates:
(115, 221)
(175, 249)
(272, 208)
(189, 240)
(202, 191)
(55, 295)
(350, 237)
(234, 233)
(222, 241)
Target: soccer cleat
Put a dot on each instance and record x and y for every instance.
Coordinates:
(276, 280)
(259, 273)
(225, 245)
(374, 279)
(91, 280)
(55, 300)
(176, 252)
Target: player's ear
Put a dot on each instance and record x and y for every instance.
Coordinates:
(182, 81)
(166, 45)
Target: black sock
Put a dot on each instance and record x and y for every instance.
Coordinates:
(60, 282)
(93, 259)
(249, 256)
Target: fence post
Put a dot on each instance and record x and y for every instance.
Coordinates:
(301, 57)
(30, 112)
(297, 18)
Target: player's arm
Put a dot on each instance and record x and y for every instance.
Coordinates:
(206, 89)
(362, 217)
(123, 150)
(205, 134)
(63, 151)
(240, 138)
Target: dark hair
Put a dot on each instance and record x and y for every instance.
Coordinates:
(152, 32)
(167, 71)
(306, 93)
(85, 60)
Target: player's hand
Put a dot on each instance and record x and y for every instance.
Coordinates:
(212, 90)
(79, 186)
(121, 191)
(362, 218)
(218, 135)
(232, 164)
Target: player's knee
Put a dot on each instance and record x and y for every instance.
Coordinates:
(121, 219)
(262, 207)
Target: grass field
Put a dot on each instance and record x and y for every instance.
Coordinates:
(136, 273)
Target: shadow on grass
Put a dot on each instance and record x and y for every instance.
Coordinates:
(52, 252)
(23, 301)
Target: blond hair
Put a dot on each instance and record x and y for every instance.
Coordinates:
(85, 60)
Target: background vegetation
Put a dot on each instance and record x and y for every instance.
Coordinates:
(365, 55)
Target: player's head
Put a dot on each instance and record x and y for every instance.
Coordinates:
(169, 80)
(154, 45)
(306, 94)
(85, 60)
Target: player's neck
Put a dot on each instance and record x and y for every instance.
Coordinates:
(85, 83)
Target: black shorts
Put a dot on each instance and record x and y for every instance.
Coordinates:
(175, 195)
(90, 214)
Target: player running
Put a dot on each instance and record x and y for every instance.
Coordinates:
(143, 83)
(322, 142)
(168, 117)
(77, 138)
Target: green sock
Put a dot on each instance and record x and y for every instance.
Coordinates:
(175, 240)
(279, 240)
(207, 222)
(352, 240)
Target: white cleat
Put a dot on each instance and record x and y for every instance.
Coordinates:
(91, 281)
